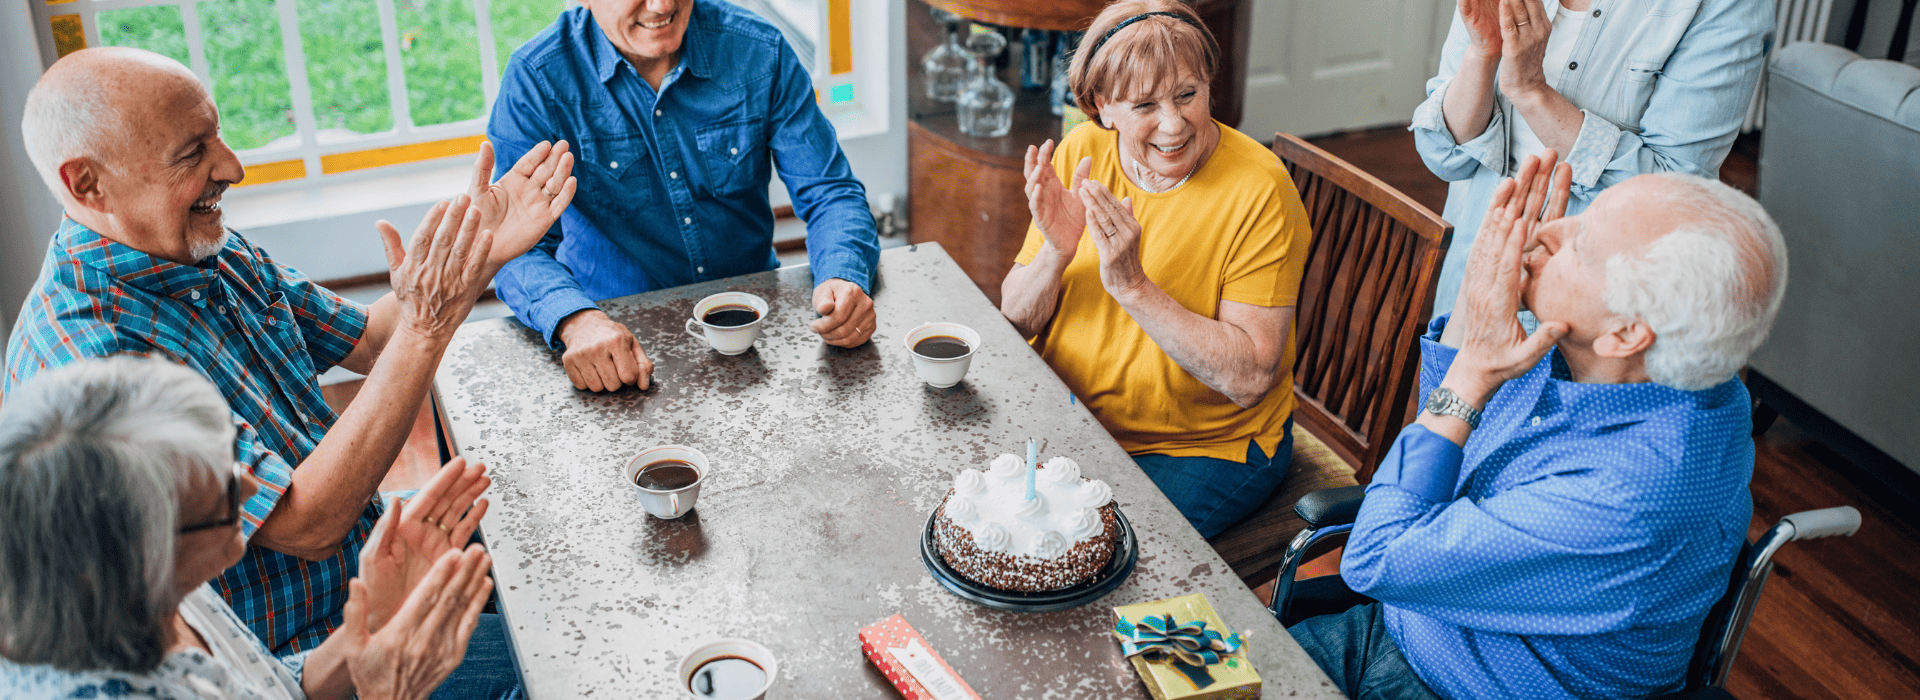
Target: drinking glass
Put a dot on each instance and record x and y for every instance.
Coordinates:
(946, 64)
(986, 104)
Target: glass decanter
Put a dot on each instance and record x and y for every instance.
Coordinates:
(947, 64)
(986, 104)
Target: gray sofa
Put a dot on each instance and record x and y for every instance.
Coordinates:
(1840, 171)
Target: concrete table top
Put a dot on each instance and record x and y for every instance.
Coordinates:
(826, 464)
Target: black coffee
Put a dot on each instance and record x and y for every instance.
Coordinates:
(727, 678)
(667, 475)
(730, 315)
(941, 347)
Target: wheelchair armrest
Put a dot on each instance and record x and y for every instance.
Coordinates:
(1330, 506)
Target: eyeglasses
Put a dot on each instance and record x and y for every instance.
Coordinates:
(233, 497)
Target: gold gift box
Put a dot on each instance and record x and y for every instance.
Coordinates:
(1233, 678)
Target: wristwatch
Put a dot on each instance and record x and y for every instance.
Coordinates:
(1446, 403)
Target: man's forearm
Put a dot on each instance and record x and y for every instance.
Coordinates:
(332, 486)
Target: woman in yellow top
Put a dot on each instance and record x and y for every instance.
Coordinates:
(1161, 286)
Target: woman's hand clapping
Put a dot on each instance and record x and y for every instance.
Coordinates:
(1524, 28)
(413, 534)
(408, 657)
(1116, 235)
(1056, 209)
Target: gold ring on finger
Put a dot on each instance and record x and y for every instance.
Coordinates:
(429, 519)
(443, 528)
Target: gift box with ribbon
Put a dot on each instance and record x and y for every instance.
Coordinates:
(1183, 651)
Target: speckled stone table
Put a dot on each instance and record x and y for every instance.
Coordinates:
(826, 463)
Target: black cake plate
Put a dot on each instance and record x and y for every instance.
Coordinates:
(1126, 551)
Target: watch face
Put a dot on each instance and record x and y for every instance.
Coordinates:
(1436, 401)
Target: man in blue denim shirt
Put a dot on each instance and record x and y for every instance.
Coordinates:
(1563, 513)
(681, 109)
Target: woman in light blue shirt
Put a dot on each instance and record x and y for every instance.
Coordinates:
(1618, 87)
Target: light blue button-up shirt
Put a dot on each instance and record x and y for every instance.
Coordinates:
(1663, 86)
(673, 183)
(1572, 549)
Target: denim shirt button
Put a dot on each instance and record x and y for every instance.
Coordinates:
(1596, 13)
(1573, 66)
(688, 221)
(674, 175)
(656, 112)
(614, 164)
(702, 269)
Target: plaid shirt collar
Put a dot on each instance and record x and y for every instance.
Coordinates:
(136, 268)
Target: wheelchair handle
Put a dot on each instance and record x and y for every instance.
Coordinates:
(1826, 522)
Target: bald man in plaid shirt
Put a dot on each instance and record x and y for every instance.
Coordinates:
(142, 265)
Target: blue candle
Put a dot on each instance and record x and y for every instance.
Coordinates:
(1033, 458)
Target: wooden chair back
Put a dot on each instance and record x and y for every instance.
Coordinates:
(1364, 302)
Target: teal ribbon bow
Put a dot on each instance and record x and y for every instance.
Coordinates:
(1191, 645)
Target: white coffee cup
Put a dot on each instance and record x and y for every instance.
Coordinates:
(727, 340)
(673, 503)
(752, 651)
(941, 373)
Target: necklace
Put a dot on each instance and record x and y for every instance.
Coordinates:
(1140, 177)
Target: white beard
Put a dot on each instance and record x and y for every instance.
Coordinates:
(202, 251)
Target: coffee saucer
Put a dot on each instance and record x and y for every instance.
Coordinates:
(1126, 552)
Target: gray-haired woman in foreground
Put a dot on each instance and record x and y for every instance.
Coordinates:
(120, 499)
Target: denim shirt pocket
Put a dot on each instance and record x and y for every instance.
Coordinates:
(733, 152)
(615, 157)
(1642, 52)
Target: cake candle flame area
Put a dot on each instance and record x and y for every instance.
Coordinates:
(1033, 459)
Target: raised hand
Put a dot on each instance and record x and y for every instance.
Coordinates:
(846, 313)
(1482, 18)
(1524, 29)
(1056, 210)
(408, 657)
(524, 203)
(413, 534)
(438, 278)
(1494, 347)
(1116, 235)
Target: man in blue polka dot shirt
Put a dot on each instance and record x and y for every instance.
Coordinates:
(1568, 505)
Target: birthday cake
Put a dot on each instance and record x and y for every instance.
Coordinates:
(991, 533)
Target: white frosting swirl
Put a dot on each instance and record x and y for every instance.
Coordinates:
(1049, 545)
(1060, 470)
(961, 510)
(992, 537)
(1093, 494)
(969, 482)
(1031, 507)
(994, 509)
(1008, 467)
(1084, 523)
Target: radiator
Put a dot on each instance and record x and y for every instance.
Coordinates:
(1794, 21)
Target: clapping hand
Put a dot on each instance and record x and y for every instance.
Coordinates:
(1524, 28)
(1116, 235)
(408, 656)
(524, 203)
(413, 534)
(1494, 347)
(1056, 210)
(1482, 18)
(437, 279)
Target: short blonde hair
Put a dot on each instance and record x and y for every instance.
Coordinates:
(1142, 55)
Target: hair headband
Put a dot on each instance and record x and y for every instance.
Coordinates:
(1212, 52)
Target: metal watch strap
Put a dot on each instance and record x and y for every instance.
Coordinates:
(1446, 403)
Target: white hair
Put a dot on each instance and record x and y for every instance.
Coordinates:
(64, 123)
(93, 459)
(1709, 289)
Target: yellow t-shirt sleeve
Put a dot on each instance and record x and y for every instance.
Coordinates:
(1265, 269)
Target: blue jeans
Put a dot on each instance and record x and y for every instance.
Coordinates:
(1215, 493)
(488, 672)
(1356, 651)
